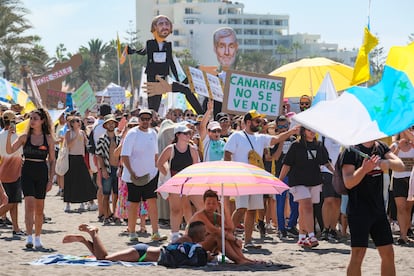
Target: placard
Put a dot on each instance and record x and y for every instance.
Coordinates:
(84, 98)
(245, 91)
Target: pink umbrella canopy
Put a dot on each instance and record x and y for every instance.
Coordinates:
(235, 178)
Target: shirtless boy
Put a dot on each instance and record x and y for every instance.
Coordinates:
(212, 221)
(138, 253)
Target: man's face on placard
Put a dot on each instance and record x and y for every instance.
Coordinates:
(226, 49)
(163, 27)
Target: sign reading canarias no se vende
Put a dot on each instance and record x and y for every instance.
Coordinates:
(245, 91)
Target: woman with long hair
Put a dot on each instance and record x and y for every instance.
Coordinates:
(302, 162)
(181, 155)
(37, 171)
(79, 187)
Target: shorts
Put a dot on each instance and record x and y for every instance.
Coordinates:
(361, 227)
(344, 204)
(142, 193)
(111, 183)
(250, 202)
(327, 187)
(13, 191)
(304, 192)
(141, 248)
(400, 186)
(34, 179)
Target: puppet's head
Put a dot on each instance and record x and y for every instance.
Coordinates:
(225, 46)
(161, 27)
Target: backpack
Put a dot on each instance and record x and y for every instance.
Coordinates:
(182, 254)
(337, 178)
(91, 146)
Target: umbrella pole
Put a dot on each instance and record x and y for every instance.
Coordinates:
(223, 237)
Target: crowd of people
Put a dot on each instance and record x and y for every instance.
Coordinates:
(121, 157)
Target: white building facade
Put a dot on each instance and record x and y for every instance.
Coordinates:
(196, 20)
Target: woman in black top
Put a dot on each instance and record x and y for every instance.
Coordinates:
(302, 162)
(37, 175)
(181, 155)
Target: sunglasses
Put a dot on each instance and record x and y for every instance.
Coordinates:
(145, 119)
(188, 133)
(90, 122)
(190, 115)
(258, 121)
(215, 130)
(282, 126)
(305, 103)
(75, 120)
(177, 115)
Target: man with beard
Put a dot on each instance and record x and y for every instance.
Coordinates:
(139, 155)
(108, 164)
(159, 55)
(237, 149)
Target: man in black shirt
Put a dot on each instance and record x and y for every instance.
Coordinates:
(363, 177)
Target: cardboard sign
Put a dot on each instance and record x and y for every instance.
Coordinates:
(53, 78)
(55, 99)
(246, 91)
(84, 98)
(205, 84)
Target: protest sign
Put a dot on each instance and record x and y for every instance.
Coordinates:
(84, 98)
(245, 91)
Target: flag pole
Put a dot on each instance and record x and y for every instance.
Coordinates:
(118, 49)
(131, 101)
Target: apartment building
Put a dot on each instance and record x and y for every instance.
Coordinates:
(196, 20)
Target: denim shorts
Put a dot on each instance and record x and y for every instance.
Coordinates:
(111, 183)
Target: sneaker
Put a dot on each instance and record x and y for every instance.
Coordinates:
(157, 237)
(93, 207)
(82, 207)
(107, 221)
(67, 208)
(283, 234)
(333, 235)
(313, 241)
(101, 218)
(133, 237)
(293, 232)
(302, 242)
(19, 233)
(325, 234)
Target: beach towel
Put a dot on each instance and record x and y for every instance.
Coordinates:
(60, 259)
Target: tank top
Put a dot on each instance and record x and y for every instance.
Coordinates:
(36, 152)
(405, 156)
(180, 160)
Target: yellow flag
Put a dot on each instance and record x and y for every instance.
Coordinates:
(118, 46)
(361, 68)
(122, 59)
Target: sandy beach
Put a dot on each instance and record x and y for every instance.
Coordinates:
(288, 258)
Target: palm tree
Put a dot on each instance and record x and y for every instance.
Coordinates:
(13, 24)
(295, 47)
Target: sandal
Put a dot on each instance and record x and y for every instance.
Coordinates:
(252, 246)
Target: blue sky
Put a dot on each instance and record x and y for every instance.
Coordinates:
(75, 22)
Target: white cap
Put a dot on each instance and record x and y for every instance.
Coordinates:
(213, 125)
(181, 128)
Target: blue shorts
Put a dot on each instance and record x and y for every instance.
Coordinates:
(141, 248)
(111, 183)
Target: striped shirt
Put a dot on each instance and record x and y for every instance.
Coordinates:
(102, 149)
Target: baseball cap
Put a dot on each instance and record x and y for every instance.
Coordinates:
(144, 111)
(253, 114)
(213, 125)
(181, 128)
(9, 115)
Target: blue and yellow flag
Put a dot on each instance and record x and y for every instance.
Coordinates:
(361, 68)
